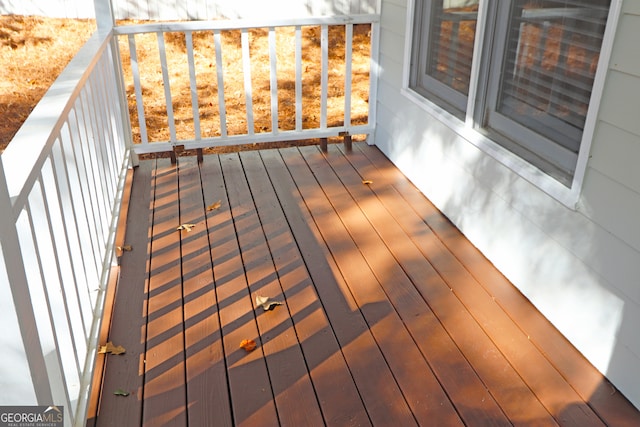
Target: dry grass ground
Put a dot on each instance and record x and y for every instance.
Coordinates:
(34, 50)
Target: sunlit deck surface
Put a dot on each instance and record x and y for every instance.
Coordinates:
(390, 317)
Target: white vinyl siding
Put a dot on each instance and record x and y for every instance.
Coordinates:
(189, 9)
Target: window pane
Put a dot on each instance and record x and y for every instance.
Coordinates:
(442, 52)
(551, 54)
(452, 33)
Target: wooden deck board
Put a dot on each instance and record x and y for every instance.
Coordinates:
(389, 316)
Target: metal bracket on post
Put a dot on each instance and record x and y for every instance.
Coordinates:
(346, 140)
(324, 144)
(177, 149)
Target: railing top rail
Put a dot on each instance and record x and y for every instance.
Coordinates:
(245, 24)
(23, 157)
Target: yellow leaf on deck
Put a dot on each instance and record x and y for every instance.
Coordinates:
(187, 227)
(110, 348)
(367, 181)
(215, 206)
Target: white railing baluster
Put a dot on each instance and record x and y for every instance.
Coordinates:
(58, 189)
(373, 78)
(72, 226)
(135, 71)
(167, 86)
(101, 80)
(54, 278)
(348, 74)
(193, 86)
(91, 162)
(81, 194)
(324, 76)
(273, 74)
(246, 70)
(42, 301)
(15, 265)
(98, 110)
(298, 78)
(220, 76)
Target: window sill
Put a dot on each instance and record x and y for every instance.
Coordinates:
(549, 185)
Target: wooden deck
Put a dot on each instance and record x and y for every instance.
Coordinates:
(390, 316)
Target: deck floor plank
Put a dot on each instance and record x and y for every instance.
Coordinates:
(250, 391)
(382, 395)
(288, 372)
(128, 319)
(206, 374)
(164, 361)
(389, 316)
(322, 355)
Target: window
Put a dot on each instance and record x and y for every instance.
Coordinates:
(536, 71)
(444, 35)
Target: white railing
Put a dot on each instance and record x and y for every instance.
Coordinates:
(205, 106)
(61, 181)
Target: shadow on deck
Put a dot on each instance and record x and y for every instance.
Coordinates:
(390, 316)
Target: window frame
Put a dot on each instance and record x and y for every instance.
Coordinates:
(471, 126)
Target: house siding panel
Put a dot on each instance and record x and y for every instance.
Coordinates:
(579, 267)
(192, 9)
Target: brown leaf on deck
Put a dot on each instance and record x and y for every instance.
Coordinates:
(248, 345)
(214, 206)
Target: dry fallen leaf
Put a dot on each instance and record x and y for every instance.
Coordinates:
(187, 227)
(110, 348)
(367, 181)
(121, 392)
(248, 345)
(266, 304)
(215, 206)
(125, 248)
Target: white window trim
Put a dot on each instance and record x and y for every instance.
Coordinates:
(466, 129)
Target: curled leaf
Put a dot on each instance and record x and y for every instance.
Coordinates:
(248, 345)
(121, 392)
(125, 248)
(214, 206)
(110, 348)
(367, 181)
(187, 227)
(266, 303)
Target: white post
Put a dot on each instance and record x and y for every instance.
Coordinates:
(105, 18)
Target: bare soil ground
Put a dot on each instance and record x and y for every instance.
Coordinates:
(35, 50)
